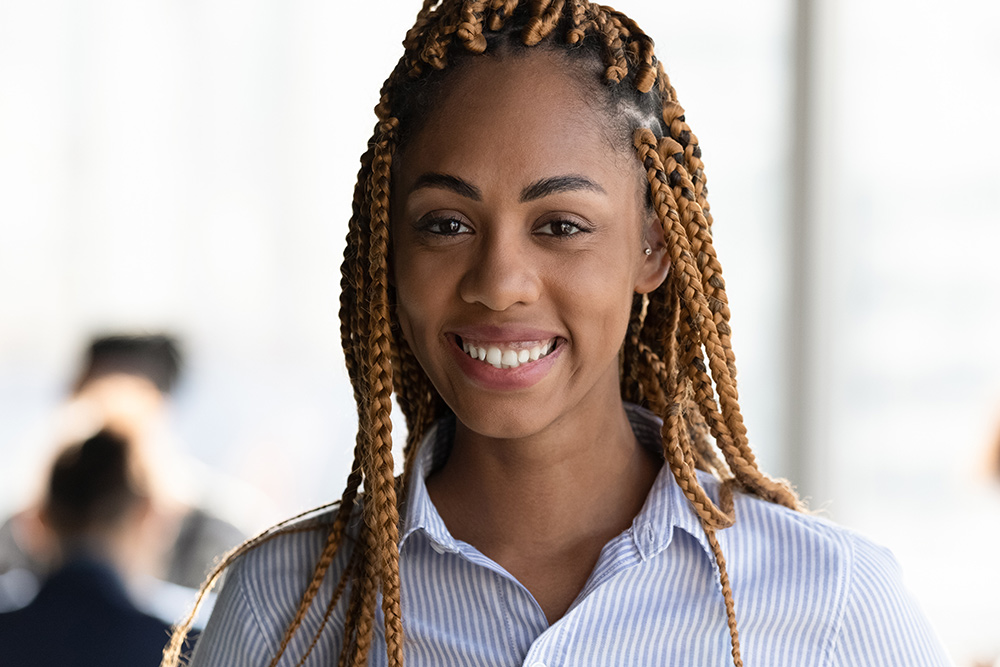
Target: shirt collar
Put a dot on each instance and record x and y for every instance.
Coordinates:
(420, 513)
(665, 508)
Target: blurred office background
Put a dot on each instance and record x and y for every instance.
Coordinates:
(187, 167)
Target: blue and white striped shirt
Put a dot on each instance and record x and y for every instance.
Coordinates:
(806, 591)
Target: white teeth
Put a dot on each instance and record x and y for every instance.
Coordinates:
(507, 358)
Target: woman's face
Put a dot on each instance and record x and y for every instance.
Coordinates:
(518, 239)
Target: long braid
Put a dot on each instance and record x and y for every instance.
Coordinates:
(333, 543)
(381, 515)
(351, 280)
(362, 622)
(680, 460)
(692, 179)
(331, 605)
(711, 515)
(172, 652)
(732, 438)
(727, 595)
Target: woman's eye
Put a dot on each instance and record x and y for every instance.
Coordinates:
(561, 228)
(445, 226)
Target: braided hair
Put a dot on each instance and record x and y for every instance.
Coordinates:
(676, 359)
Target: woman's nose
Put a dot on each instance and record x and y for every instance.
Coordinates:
(501, 274)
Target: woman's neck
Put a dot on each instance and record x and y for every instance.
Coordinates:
(543, 507)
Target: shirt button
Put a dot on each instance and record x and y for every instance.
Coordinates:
(538, 664)
(438, 548)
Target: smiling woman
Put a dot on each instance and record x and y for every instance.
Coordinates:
(530, 269)
(497, 248)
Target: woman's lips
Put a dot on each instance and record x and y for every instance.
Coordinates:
(496, 363)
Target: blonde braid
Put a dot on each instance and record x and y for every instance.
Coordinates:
(692, 290)
(499, 11)
(579, 24)
(728, 427)
(470, 30)
(334, 541)
(697, 225)
(351, 280)
(617, 68)
(543, 22)
(331, 605)
(419, 25)
(363, 619)
(733, 437)
(640, 45)
(727, 596)
(680, 458)
(172, 651)
(381, 513)
(692, 180)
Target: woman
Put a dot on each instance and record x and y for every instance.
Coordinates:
(530, 261)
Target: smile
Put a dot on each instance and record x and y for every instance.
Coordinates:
(508, 355)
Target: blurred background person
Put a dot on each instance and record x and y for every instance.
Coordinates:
(124, 383)
(97, 507)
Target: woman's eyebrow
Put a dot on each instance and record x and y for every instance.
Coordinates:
(554, 184)
(448, 182)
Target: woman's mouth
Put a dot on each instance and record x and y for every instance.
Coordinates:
(507, 355)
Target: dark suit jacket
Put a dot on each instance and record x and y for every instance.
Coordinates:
(82, 617)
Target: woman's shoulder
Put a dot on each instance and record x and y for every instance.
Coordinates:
(761, 524)
(800, 570)
(284, 557)
(262, 590)
(292, 546)
(804, 545)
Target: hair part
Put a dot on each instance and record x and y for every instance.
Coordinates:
(676, 359)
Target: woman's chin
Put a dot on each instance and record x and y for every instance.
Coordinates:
(501, 422)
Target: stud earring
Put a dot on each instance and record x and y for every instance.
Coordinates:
(649, 251)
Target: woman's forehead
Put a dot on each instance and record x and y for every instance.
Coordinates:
(516, 83)
(525, 114)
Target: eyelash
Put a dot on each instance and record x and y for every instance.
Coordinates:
(436, 227)
(579, 227)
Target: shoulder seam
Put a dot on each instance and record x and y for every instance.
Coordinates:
(252, 602)
(847, 584)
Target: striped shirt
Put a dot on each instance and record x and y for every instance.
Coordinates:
(807, 592)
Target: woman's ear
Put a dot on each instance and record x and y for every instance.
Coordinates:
(656, 260)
